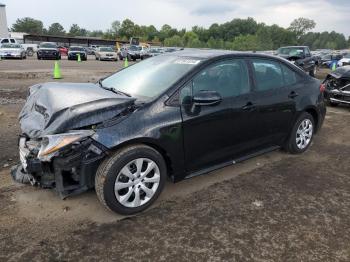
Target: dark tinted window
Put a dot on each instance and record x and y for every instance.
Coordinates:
(228, 78)
(268, 74)
(290, 77)
(5, 41)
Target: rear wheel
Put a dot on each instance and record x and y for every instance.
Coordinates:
(301, 135)
(129, 181)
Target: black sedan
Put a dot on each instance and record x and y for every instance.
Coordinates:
(337, 86)
(177, 115)
(48, 50)
(75, 51)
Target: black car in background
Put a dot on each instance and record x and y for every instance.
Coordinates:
(73, 52)
(177, 115)
(337, 84)
(300, 56)
(48, 50)
(134, 52)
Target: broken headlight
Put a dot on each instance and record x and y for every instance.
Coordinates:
(51, 144)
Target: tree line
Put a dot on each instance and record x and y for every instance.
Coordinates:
(238, 34)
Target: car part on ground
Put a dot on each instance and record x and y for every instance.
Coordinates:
(337, 86)
(173, 115)
(48, 50)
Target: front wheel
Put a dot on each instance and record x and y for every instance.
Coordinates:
(130, 180)
(301, 135)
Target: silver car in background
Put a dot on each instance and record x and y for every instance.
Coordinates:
(106, 53)
(12, 51)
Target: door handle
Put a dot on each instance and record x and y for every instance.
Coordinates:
(293, 94)
(249, 107)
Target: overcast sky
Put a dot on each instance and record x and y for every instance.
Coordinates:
(93, 15)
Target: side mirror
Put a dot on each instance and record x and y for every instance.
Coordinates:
(206, 98)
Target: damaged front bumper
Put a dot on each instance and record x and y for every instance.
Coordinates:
(71, 171)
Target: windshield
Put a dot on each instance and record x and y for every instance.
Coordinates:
(48, 45)
(347, 56)
(106, 49)
(76, 48)
(10, 46)
(290, 51)
(154, 51)
(135, 48)
(150, 77)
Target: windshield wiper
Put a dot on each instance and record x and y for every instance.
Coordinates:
(113, 89)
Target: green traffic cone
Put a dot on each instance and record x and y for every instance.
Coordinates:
(334, 66)
(79, 58)
(126, 64)
(57, 71)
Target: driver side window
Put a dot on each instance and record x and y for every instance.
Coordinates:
(229, 78)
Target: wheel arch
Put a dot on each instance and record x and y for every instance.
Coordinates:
(151, 143)
(313, 112)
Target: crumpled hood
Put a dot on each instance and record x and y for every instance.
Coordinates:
(53, 108)
(340, 72)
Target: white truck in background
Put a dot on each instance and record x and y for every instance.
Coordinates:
(30, 48)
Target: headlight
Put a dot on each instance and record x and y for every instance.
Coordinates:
(52, 143)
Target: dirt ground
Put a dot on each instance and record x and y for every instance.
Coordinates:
(276, 207)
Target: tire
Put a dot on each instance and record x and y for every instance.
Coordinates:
(110, 171)
(291, 144)
(96, 58)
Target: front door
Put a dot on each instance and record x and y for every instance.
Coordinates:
(213, 134)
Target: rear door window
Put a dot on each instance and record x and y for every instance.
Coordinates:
(268, 74)
(290, 77)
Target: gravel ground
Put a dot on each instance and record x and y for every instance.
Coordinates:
(275, 207)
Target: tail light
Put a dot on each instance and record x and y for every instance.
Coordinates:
(322, 88)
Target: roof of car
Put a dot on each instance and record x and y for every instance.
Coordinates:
(212, 53)
(295, 46)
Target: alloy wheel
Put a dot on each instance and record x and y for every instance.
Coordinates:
(137, 182)
(304, 134)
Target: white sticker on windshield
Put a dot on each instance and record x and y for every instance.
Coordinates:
(187, 61)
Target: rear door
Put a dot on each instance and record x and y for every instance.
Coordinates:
(275, 93)
(214, 134)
